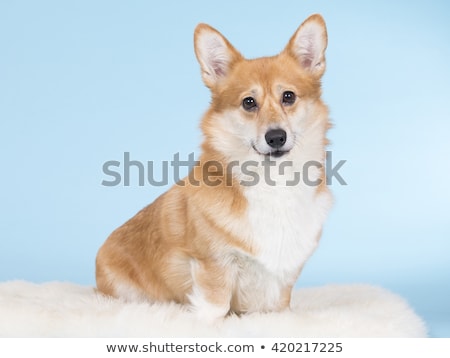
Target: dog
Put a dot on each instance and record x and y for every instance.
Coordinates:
(233, 236)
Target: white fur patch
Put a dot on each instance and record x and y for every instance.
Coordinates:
(123, 289)
(129, 292)
(256, 289)
(204, 310)
(285, 225)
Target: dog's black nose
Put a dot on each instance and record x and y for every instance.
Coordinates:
(276, 138)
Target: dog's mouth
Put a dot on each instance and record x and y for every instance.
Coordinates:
(277, 153)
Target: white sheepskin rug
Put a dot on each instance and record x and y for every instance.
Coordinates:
(67, 310)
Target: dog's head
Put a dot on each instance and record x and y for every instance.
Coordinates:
(264, 107)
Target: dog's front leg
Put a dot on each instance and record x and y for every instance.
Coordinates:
(211, 290)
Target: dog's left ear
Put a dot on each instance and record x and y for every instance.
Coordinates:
(308, 45)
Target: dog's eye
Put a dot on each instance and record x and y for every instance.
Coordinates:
(288, 98)
(249, 104)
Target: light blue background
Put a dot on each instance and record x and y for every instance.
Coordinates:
(82, 82)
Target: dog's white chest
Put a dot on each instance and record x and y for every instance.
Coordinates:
(284, 223)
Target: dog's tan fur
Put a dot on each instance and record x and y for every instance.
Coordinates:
(196, 244)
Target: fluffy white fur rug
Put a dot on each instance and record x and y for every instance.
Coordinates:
(67, 310)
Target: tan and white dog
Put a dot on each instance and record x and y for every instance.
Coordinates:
(235, 234)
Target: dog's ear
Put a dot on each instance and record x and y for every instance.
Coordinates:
(214, 53)
(308, 45)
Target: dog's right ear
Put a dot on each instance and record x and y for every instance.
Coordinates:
(214, 53)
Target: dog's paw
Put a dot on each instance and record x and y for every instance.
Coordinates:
(206, 311)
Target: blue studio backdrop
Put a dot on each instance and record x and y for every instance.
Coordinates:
(83, 83)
